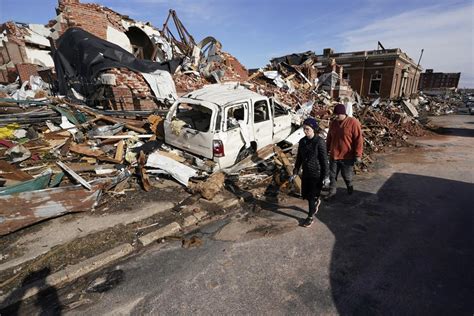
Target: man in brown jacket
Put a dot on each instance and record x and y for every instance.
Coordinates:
(344, 144)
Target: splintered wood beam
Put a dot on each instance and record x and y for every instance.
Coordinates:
(120, 151)
(288, 167)
(74, 175)
(107, 118)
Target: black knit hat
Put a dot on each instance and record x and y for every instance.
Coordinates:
(311, 122)
(339, 109)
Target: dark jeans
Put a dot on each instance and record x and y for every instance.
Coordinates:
(346, 167)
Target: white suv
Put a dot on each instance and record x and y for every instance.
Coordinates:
(223, 122)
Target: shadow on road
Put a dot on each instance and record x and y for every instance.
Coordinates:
(45, 303)
(406, 250)
(463, 132)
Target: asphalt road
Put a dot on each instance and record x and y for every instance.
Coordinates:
(401, 244)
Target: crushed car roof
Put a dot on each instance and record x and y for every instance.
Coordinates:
(222, 94)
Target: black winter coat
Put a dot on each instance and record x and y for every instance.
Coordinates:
(312, 156)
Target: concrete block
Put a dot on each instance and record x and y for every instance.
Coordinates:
(168, 230)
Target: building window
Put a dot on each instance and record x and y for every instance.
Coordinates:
(375, 81)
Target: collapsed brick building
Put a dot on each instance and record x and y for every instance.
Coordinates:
(430, 80)
(385, 73)
(24, 51)
(121, 87)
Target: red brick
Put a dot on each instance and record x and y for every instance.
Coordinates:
(26, 70)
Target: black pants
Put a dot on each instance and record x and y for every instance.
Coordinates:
(311, 191)
(346, 167)
(313, 206)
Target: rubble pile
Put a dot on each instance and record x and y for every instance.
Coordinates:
(104, 134)
(439, 105)
(218, 67)
(70, 154)
(188, 81)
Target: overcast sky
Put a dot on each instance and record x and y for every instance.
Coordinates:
(256, 30)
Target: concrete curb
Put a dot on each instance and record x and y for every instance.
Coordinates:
(71, 273)
(168, 230)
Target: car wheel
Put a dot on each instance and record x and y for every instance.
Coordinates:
(244, 153)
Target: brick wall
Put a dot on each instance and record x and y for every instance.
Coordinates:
(91, 17)
(361, 73)
(131, 93)
(26, 70)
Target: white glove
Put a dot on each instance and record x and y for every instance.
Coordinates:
(292, 178)
(326, 182)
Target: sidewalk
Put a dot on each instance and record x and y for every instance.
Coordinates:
(76, 244)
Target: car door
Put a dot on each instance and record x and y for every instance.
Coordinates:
(236, 129)
(281, 122)
(190, 126)
(262, 123)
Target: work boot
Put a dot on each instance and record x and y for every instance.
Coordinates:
(307, 222)
(350, 189)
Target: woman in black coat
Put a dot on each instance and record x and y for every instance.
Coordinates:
(312, 157)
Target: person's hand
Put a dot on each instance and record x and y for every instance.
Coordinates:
(326, 182)
(358, 159)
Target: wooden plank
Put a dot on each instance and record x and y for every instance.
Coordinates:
(122, 136)
(172, 156)
(253, 160)
(74, 175)
(13, 173)
(23, 209)
(84, 167)
(96, 153)
(107, 118)
(142, 172)
(120, 151)
(288, 167)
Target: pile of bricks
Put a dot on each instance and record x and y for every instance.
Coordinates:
(132, 92)
(13, 54)
(234, 70)
(14, 33)
(188, 82)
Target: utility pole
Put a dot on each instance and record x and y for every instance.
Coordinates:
(416, 70)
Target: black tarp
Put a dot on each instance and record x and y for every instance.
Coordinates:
(80, 56)
(293, 59)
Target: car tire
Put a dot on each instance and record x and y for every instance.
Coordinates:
(244, 153)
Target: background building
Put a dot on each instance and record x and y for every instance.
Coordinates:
(430, 80)
(386, 73)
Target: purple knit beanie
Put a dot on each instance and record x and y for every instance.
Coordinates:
(311, 122)
(339, 109)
